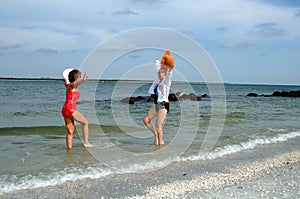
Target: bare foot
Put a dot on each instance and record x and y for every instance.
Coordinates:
(88, 145)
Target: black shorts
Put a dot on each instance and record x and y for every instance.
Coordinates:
(162, 105)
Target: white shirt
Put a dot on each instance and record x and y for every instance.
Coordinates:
(164, 86)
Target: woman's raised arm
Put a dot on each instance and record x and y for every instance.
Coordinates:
(80, 81)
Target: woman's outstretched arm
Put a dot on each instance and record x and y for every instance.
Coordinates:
(80, 81)
(65, 81)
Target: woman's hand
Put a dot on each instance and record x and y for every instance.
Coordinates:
(167, 67)
(85, 77)
(65, 81)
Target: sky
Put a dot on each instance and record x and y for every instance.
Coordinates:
(251, 41)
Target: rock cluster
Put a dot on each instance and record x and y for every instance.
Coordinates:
(173, 97)
(278, 94)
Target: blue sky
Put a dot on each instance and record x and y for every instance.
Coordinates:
(251, 41)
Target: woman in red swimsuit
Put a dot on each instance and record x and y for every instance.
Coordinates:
(69, 110)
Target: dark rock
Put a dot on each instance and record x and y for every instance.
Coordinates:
(276, 93)
(190, 96)
(173, 97)
(139, 98)
(193, 97)
(129, 100)
(295, 93)
(150, 99)
(125, 100)
(178, 94)
(183, 97)
(252, 95)
(205, 96)
(286, 94)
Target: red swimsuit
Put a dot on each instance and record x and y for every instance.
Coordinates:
(70, 105)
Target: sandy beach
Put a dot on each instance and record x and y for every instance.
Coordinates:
(269, 171)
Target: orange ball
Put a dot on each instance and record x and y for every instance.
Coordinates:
(167, 59)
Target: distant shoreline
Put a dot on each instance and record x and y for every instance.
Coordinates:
(60, 79)
(115, 80)
(29, 78)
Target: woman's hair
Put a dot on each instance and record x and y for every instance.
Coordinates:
(73, 75)
(162, 70)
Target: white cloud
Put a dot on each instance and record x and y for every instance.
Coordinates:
(235, 45)
(297, 14)
(45, 51)
(268, 30)
(124, 11)
(10, 47)
(223, 28)
(147, 2)
(35, 38)
(73, 24)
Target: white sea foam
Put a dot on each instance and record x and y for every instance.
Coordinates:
(43, 180)
(9, 183)
(229, 149)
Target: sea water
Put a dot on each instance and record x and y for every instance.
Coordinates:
(32, 132)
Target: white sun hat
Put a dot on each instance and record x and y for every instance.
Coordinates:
(66, 74)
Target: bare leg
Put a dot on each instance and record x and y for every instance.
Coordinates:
(70, 131)
(78, 117)
(161, 115)
(147, 121)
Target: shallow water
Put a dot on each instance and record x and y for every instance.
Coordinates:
(32, 135)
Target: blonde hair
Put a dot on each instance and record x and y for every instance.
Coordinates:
(162, 70)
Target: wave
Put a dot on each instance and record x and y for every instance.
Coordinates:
(10, 131)
(94, 171)
(54, 130)
(56, 178)
(251, 144)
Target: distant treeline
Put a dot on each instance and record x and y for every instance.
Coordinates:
(29, 78)
(60, 79)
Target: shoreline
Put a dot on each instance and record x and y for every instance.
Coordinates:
(243, 175)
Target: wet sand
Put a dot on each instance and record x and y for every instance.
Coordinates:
(269, 171)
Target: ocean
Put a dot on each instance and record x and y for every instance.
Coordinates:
(32, 133)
